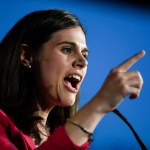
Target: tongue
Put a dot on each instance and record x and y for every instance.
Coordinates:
(69, 86)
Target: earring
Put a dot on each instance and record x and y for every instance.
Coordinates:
(29, 66)
(26, 64)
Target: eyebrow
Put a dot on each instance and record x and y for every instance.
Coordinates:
(73, 44)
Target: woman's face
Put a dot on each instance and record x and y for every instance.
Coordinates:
(60, 67)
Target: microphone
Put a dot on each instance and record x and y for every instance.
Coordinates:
(141, 144)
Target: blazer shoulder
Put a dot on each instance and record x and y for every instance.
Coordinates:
(3, 118)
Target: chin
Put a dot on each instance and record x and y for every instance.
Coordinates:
(68, 101)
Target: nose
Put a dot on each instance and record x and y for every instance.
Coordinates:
(80, 62)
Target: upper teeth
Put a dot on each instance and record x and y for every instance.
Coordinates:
(75, 77)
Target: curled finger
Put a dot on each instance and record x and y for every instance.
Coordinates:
(134, 92)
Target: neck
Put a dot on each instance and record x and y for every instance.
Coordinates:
(43, 114)
(41, 127)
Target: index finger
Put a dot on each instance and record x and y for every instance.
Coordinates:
(129, 62)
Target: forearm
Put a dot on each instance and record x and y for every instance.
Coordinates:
(88, 117)
(119, 84)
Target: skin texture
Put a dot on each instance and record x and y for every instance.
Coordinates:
(119, 83)
(64, 54)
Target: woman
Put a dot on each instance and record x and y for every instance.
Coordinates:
(43, 61)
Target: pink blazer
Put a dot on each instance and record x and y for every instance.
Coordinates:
(11, 138)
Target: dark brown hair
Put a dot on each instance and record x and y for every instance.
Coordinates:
(17, 89)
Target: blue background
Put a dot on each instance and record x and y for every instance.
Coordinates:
(115, 31)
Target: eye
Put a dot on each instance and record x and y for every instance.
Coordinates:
(85, 55)
(67, 50)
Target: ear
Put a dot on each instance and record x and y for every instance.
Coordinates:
(26, 57)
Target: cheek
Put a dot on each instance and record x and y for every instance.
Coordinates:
(52, 71)
(48, 73)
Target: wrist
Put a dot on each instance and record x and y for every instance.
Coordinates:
(102, 104)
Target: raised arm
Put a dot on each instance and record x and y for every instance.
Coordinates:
(119, 83)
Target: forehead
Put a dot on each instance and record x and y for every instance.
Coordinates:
(74, 34)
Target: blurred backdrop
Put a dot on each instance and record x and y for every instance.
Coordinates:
(115, 31)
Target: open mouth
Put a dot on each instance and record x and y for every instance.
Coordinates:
(72, 82)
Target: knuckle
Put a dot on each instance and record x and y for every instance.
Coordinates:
(139, 77)
(123, 87)
(113, 70)
(119, 76)
(141, 82)
(138, 73)
(138, 91)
